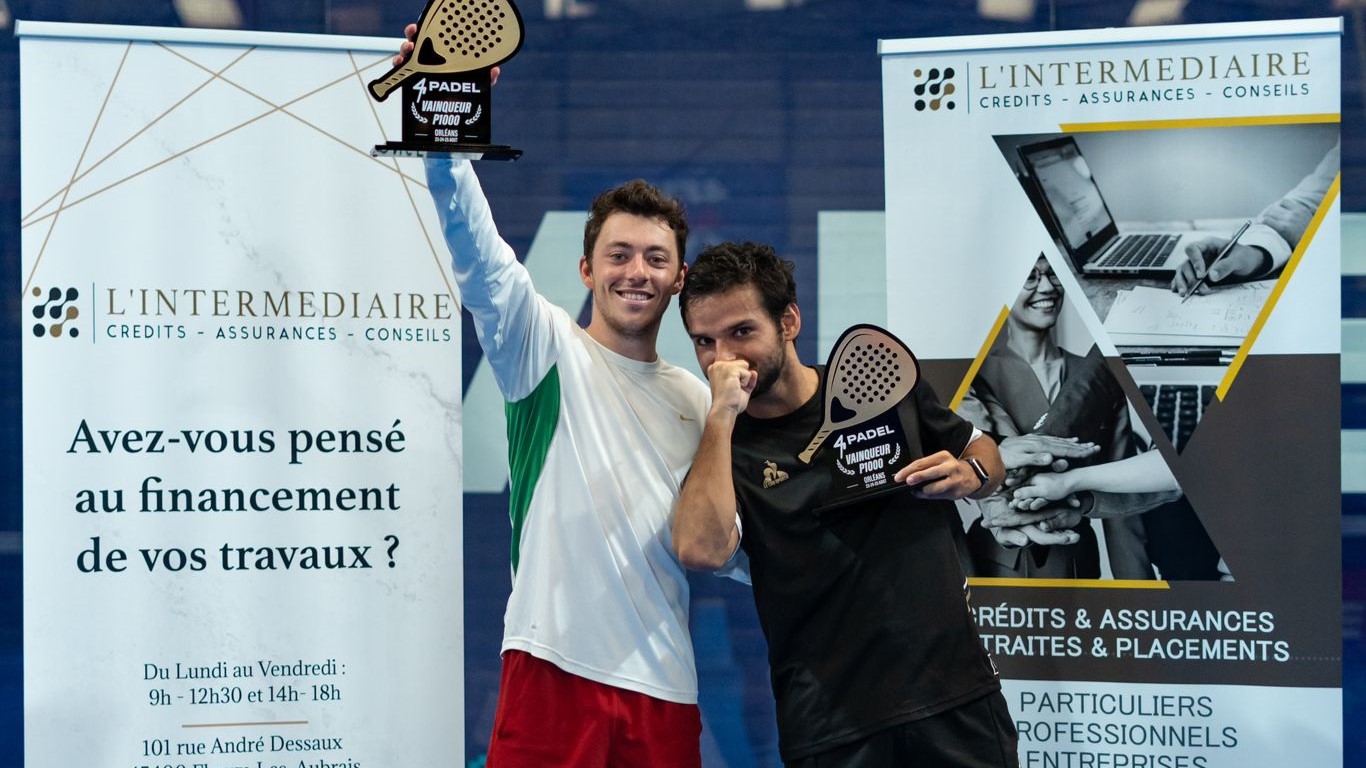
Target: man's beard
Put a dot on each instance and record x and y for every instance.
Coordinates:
(768, 375)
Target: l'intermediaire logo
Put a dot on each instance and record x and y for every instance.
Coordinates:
(59, 307)
(1281, 71)
(934, 91)
(239, 314)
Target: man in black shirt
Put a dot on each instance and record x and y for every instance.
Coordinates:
(874, 657)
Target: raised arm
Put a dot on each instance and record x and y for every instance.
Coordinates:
(705, 528)
(511, 320)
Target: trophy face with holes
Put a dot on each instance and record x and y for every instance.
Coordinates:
(446, 81)
(862, 442)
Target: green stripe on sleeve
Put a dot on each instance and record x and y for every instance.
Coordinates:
(531, 426)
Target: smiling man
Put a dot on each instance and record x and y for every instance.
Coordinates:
(598, 667)
(874, 658)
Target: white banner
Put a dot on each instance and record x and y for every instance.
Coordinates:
(242, 515)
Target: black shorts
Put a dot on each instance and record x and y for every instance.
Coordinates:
(978, 734)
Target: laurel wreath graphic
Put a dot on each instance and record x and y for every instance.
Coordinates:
(840, 464)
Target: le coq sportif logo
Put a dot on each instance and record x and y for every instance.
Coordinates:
(55, 311)
(934, 91)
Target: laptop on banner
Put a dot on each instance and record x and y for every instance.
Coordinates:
(1178, 396)
(1076, 213)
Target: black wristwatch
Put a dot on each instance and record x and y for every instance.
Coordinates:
(980, 471)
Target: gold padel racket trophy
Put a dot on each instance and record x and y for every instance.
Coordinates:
(447, 100)
(861, 442)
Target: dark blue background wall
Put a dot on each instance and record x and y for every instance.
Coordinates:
(759, 119)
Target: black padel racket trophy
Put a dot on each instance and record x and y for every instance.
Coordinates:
(447, 100)
(861, 442)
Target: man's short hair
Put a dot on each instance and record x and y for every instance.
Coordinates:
(640, 198)
(724, 266)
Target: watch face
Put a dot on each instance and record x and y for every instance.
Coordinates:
(981, 473)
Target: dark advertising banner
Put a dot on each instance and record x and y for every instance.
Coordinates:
(1123, 247)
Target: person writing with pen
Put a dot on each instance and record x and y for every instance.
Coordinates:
(1264, 248)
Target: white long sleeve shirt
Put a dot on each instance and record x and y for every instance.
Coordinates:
(598, 448)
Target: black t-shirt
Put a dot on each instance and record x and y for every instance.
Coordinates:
(864, 606)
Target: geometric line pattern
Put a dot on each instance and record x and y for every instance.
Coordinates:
(407, 184)
(272, 108)
(90, 135)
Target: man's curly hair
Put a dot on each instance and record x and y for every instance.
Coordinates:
(640, 198)
(724, 266)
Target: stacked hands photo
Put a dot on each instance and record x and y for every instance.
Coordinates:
(1071, 450)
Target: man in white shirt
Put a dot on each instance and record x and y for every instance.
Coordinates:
(598, 667)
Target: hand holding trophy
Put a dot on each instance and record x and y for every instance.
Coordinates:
(861, 441)
(447, 104)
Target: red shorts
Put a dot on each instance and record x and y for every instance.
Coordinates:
(547, 717)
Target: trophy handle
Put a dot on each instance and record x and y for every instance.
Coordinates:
(805, 456)
(381, 87)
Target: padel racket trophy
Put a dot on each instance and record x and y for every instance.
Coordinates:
(861, 442)
(447, 100)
